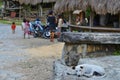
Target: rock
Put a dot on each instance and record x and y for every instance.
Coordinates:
(70, 55)
(60, 71)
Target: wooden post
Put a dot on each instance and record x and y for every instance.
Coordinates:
(20, 12)
(91, 19)
(70, 17)
(41, 10)
(119, 20)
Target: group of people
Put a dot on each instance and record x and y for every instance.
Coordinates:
(52, 21)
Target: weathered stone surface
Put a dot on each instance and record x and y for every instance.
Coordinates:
(89, 37)
(72, 53)
(111, 65)
(79, 45)
(60, 70)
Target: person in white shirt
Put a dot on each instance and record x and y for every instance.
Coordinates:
(60, 22)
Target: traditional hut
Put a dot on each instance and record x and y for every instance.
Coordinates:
(105, 11)
(25, 7)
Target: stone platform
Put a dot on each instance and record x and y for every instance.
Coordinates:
(80, 48)
(86, 44)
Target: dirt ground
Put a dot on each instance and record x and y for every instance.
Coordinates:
(26, 59)
(32, 59)
(42, 55)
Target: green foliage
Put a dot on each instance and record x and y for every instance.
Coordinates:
(18, 22)
(116, 52)
(87, 13)
(1, 3)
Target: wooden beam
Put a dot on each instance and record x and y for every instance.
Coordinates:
(93, 29)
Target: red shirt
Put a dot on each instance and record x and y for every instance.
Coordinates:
(13, 26)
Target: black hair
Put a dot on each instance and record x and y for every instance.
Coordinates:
(50, 12)
(59, 16)
(24, 20)
(13, 22)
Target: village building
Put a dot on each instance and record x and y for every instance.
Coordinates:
(102, 13)
(103, 25)
(27, 8)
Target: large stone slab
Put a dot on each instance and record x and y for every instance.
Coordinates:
(90, 38)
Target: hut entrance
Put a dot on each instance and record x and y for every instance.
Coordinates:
(106, 20)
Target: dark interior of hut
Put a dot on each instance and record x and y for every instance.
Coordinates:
(107, 20)
(47, 5)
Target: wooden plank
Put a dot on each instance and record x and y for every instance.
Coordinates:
(93, 29)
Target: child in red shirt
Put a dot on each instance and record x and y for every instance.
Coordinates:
(13, 27)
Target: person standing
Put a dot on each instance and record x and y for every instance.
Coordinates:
(51, 21)
(13, 27)
(78, 20)
(26, 28)
(60, 22)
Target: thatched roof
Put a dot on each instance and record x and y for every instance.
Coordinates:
(99, 6)
(70, 5)
(34, 2)
(113, 6)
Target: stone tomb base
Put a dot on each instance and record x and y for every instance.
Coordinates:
(73, 52)
(88, 44)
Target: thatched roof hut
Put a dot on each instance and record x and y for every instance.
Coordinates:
(113, 6)
(99, 6)
(28, 7)
(70, 5)
(34, 2)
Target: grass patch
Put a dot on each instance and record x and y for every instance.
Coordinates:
(1, 3)
(116, 52)
(18, 22)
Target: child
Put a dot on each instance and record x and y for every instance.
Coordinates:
(25, 28)
(13, 27)
(52, 36)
